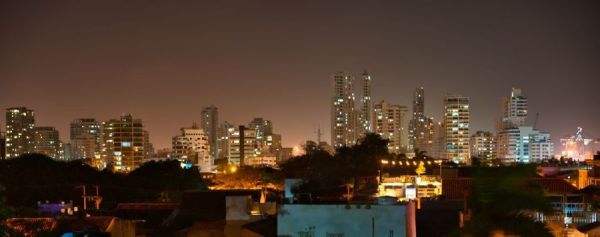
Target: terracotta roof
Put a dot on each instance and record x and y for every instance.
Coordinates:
(29, 226)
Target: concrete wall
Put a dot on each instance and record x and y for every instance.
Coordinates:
(341, 220)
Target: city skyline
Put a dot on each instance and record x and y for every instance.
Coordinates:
(188, 63)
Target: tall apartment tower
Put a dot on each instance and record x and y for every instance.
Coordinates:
(391, 123)
(124, 140)
(483, 146)
(421, 127)
(86, 139)
(20, 124)
(344, 124)
(225, 129)
(515, 141)
(2, 145)
(456, 124)
(514, 110)
(209, 122)
(192, 146)
(46, 141)
(242, 145)
(366, 110)
(523, 145)
(263, 128)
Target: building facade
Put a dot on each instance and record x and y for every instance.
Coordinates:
(86, 139)
(344, 124)
(47, 142)
(483, 146)
(514, 110)
(242, 145)
(20, 124)
(192, 147)
(2, 145)
(421, 134)
(391, 123)
(264, 129)
(366, 110)
(456, 124)
(523, 145)
(209, 122)
(124, 140)
(516, 142)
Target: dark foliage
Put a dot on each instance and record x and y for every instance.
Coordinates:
(500, 199)
(33, 177)
(323, 173)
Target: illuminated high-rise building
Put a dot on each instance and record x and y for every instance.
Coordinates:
(192, 147)
(516, 142)
(242, 145)
(223, 143)
(344, 124)
(456, 124)
(438, 147)
(20, 124)
(483, 146)
(124, 143)
(209, 122)
(523, 145)
(2, 145)
(366, 103)
(86, 140)
(263, 128)
(514, 110)
(391, 123)
(421, 127)
(46, 141)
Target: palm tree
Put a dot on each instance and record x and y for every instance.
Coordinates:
(420, 154)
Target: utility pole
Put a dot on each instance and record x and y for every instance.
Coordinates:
(96, 198)
(84, 197)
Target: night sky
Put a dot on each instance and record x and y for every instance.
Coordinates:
(163, 61)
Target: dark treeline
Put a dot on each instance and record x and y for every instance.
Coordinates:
(324, 174)
(34, 177)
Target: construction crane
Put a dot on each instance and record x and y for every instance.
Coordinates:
(537, 116)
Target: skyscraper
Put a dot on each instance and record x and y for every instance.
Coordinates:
(2, 145)
(421, 127)
(86, 140)
(344, 122)
(366, 112)
(242, 145)
(124, 141)
(391, 123)
(483, 146)
(20, 123)
(517, 142)
(47, 142)
(192, 146)
(223, 142)
(514, 110)
(263, 128)
(209, 122)
(523, 145)
(456, 124)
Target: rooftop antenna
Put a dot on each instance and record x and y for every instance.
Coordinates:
(319, 134)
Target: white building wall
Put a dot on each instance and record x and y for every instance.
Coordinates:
(355, 220)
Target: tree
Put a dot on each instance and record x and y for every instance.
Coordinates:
(323, 174)
(420, 154)
(500, 199)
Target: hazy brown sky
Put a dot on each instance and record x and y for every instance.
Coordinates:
(163, 61)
